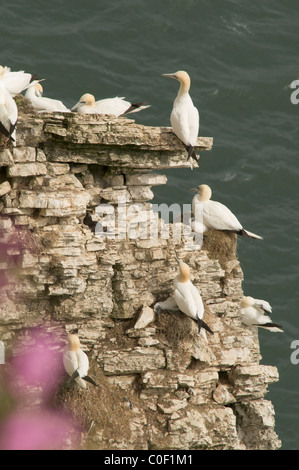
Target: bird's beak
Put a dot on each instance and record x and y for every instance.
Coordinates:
(177, 259)
(193, 190)
(169, 75)
(34, 82)
(75, 107)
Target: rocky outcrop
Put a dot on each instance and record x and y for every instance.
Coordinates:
(69, 266)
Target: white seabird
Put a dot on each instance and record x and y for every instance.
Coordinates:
(34, 94)
(187, 296)
(114, 106)
(8, 114)
(184, 116)
(253, 312)
(76, 362)
(212, 215)
(15, 82)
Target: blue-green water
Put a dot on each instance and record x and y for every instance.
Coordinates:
(241, 57)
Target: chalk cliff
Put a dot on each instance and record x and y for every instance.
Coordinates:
(158, 388)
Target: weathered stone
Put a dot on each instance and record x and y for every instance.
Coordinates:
(223, 396)
(141, 193)
(147, 316)
(6, 158)
(24, 154)
(40, 156)
(147, 342)
(255, 423)
(26, 169)
(198, 428)
(159, 380)
(64, 181)
(55, 204)
(133, 362)
(171, 405)
(141, 333)
(145, 179)
(4, 188)
(68, 287)
(78, 168)
(252, 379)
(5, 223)
(116, 196)
(55, 169)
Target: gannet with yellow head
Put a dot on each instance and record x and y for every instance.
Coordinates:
(117, 106)
(34, 94)
(212, 215)
(187, 296)
(76, 362)
(255, 312)
(184, 116)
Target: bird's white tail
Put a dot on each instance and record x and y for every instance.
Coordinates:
(271, 327)
(136, 107)
(252, 235)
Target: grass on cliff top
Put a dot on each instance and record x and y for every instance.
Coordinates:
(104, 408)
(220, 245)
(176, 328)
(24, 105)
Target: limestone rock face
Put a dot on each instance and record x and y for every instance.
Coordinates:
(77, 255)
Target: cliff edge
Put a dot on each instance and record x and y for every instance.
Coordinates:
(69, 190)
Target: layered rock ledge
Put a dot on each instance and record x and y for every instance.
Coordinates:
(159, 389)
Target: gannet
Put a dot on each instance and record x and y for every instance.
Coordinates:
(212, 215)
(187, 296)
(34, 94)
(76, 361)
(184, 116)
(8, 114)
(253, 314)
(114, 106)
(15, 82)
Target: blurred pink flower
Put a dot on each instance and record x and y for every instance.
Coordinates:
(37, 364)
(32, 374)
(38, 430)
